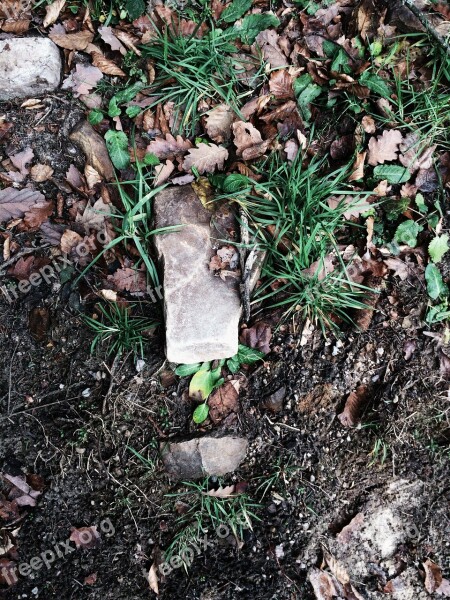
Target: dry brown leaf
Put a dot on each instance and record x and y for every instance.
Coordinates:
(320, 268)
(163, 172)
(94, 216)
(368, 124)
(218, 123)
(40, 173)
(413, 155)
(92, 176)
(52, 12)
(399, 267)
(324, 584)
(433, 576)
(82, 79)
(169, 147)
(153, 579)
(70, 41)
(106, 66)
(128, 40)
(69, 240)
(384, 147)
(85, 537)
(268, 41)
(358, 167)
(109, 37)
(227, 491)
(18, 26)
(342, 147)
(356, 207)
(206, 158)
(21, 159)
(291, 148)
(37, 215)
(248, 141)
(280, 84)
(354, 406)
(94, 147)
(129, 280)
(15, 203)
(224, 401)
(258, 336)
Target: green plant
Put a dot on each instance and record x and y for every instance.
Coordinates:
(207, 512)
(290, 218)
(192, 69)
(379, 452)
(119, 329)
(282, 469)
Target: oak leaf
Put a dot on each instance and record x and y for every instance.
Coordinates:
(169, 147)
(82, 79)
(218, 123)
(385, 147)
(106, 66)
(129, 280)
(205, 158)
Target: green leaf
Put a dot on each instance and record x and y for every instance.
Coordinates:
(129, 93)
(132, 111)
(310, 93)
(407, 232)
(185, 370)
(113, 108)
(301, 83)
(340, 62)
(438, 247)
(200, 413)
(253, 24)
(420, 203)
(117, 144)
(202, 384)
(438, 313)
(435, 284)
(151, 160)
(235, 183)
(134, 8)
(235, 11)
(249, 356)
(375, 83)
(95, 117)
(392, 173)
(233, 364)
(330, 49)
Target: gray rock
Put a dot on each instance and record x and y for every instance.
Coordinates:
(204, 456)
(28, 67)
(202, 311)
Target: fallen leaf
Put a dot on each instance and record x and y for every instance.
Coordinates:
(433, 576)
(280, 84)
(218, 123)
(273, 55)
(368, 124)
(52, 12)
(85, 537)
(291, 148)
(22, 493)
(413, 155)
(444, 588)
(106, 65)
(21, 159)
(205, 158)
(247, 137)
(224, 401)
(323, 583)
(169, 147)
(94, 147)
(70, 41)
(129, 280)
(94, 216)
(92, 176)
(107, 35)
(37, 215)
(258, 336)
(40, 173)
(320, 268)
(15, 203)
(129, 41)
(153, 578)
(227, 491)
(354, 405)
(356, 206)
(69, 240)
(385, 147)
(399, 267)
(358, 167)
(82, 79)
(163, 172)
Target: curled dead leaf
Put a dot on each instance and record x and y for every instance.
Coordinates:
(354, 406)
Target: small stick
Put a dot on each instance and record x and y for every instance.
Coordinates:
(426, 23)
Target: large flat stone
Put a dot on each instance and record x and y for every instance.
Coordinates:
(202, 311)
(199, 457)
(28, 67)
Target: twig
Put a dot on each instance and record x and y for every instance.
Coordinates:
(426, 23)
(23, 252)
(112, 372)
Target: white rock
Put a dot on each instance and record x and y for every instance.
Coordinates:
(28, 67)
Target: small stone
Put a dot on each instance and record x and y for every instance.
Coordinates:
(274, 402)
(202, 311)
(198, 457)
(28, 66)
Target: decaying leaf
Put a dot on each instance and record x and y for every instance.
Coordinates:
(354, 406)
(15, 203)
(40, 173)
(248, 141)
(258, 336)
(227, 491)
(82, 79)
(107, 35)
(169, 147)
(224, 401)
(280, 84)
(94, 216)
(129, 280)
(52, 12)
(85, 537)
(433, 576)
(106, 65)
(218, 123)
(153, 578)
(385, 147)
(70, 41)
(23, 494)
(205, 158)
(21, 160)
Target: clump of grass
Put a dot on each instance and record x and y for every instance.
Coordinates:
(290, 218)
(208, 513)
(119, 330)
(192, 69)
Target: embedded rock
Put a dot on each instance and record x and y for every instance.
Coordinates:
(28, 67)
(202, 311)
(204, 456)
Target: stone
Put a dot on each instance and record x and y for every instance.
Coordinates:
(28, 67)
(274, 402)
(202, 311)
(208, 455)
